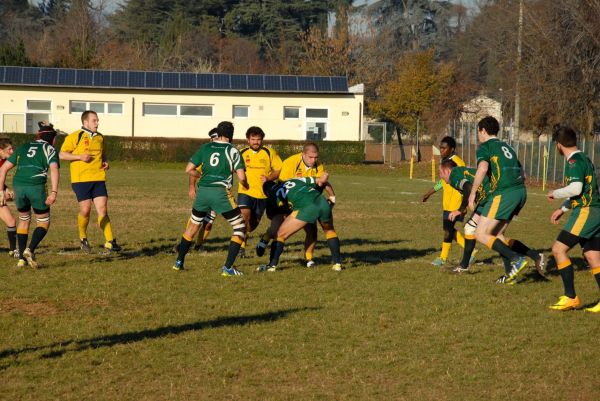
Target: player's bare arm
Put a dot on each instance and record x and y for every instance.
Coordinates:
(242, 178)
(54, 179)
(191, 170)
(3, 170)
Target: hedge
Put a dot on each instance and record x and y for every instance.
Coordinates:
(180, 149)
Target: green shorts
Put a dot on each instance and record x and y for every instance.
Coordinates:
(318, 210)
(584, 222)
(31, 196)
(505, 205)
(218, 199)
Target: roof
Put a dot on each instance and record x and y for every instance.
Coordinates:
(184, 81)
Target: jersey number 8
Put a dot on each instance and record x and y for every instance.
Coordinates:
(506, 152)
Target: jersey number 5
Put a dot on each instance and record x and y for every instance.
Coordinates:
(31, 152)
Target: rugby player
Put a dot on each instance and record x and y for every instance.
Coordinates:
(262, 164)
(32, 161)
(497, 160)
(218, 161)
(451, 200)
(583, 226)
(6, 149)
(308, 206)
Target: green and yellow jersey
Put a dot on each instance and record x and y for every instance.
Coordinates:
(580, 169)
(294, 167)
(217, 160)
(461, 175)
(32, 161)
(505, 171)
(85, 141)
(261, 162)
(451, 198)
(297, 192)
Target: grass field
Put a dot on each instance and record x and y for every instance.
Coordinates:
(390, 327)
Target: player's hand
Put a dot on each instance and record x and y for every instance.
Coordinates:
(245, 184)
(556, 216)
(2, 198)
(105, 166)
(454, 214)
(426, 196)
(263, 178)
(331, 200)
(85, 157)
(550, 195)
(8, 194)
(51, 198)
(472, 200)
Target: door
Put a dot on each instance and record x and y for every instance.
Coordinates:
(316, 131)
(33, 119)
(13, 123)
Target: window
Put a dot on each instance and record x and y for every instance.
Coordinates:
(316, 113)
(240, 111)
(79, 106)
(42, 105)
(191, 110)
(291, 112)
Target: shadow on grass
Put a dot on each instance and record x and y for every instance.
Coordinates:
(148, 334)
(376, 256)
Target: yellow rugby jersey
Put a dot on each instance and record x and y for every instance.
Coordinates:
(84, 141)
(262, 162)
(451, 198)
(294, 167)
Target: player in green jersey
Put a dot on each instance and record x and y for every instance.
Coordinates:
(217, 161)
(303, 197)
(499, 162)
(583, 226)
(32, 161)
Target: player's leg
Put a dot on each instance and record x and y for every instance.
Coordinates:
(11, 229)
(23, 233)
(310, 243)
(83, 193)
(185, 243)
(290, 226)
(333, 242)
(100, 199)
(560, 249)
(522, 249)
(470, 241)
(42, 218)
(592, 255)
(236, 220)
(205, 229)
(276, 222)
(245, 205)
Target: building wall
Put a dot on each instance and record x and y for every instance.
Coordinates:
(344, 112)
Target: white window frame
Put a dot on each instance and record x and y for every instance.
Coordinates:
(24, 115)
(292, 107)
(106, 103)
(240, 105)
(178, 108)
(38, 110)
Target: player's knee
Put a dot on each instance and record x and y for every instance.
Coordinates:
(237, 223)
(197, 217)
(43, 221)
(26, 218)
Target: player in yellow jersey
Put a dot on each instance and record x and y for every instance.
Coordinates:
(451, 201)
(304, 164)
(262, 164)
(85, 150)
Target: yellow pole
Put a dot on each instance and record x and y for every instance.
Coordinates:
(432, 169)
(545, 168)
(412, 159)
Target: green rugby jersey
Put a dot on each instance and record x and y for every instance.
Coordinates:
(505, 171)
(32, 161)
(580, 169)
(217, 160)
(460, 175)
(298, 192)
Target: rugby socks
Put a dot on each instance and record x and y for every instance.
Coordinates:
(104, 223)
(523, 249)
(308, 255)
(500, 247)
(596, 273)
(11, 232)
(278, 246)
(458, 237)
(567, 273)
(234, 248)
(22, 240)
(38, 235)
(82, 224)
(184, 247)
(445, 250)
(469, 248)
(334, 246)
(507, 265)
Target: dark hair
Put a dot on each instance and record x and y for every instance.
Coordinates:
(5, 142)
(490, 125)
(448, 140)
(448, 163)
(46, 132)
(564, 135)
(310, 145)
(255, 131)
(85, 114)
(213, 133)
(225, 129)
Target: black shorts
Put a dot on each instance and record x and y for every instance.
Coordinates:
(256, 206)
(587, 244)
(89, 190)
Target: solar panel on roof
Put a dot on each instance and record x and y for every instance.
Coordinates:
(289, 83)
(13, 75)
(239, 82)
(84, 77)
(272, 83)
(153, 80)
(136, 79)
(205, 81)
(187, 81)
(102, 78)
(323, 84)
(49, 76)
(222, 81)
(256, 82)
(118, 79)
(31, 76)
(306, 84)
(170, 80)
(339, 84)
(66, 77)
